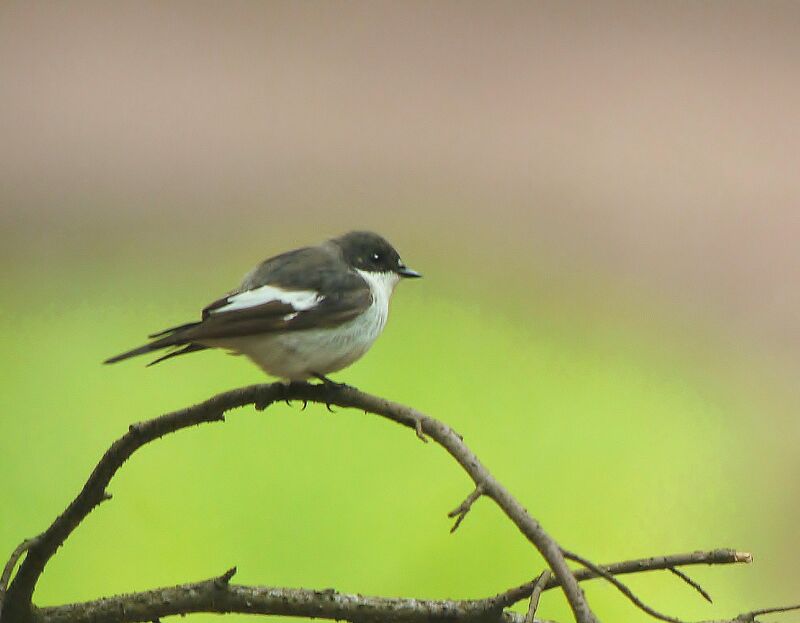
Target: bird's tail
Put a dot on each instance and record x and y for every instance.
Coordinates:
(171, 337)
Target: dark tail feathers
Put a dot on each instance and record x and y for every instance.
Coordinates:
(173, 339)
(189, 348)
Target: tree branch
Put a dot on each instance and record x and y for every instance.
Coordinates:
(5, 577)
(623, 588)
(462, 509)
(20, 593)
(696, 586)
(536, 593)
(750, 617)
(212, 596)
(656, 563)
(218, 595)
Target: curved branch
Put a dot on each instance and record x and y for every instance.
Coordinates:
(19, 596)
(217, 595)
(5, 577)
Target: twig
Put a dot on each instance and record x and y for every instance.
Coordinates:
(622, 588)
(419, 431)
(5, 578)
(20, 591)
(538, 587)
(462, 509)
(750, 617)
(656, 563)
(225, 579)
(703, 593)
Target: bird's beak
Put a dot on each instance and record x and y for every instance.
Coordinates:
(405, 271)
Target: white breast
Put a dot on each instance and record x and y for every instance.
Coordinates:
(297, 355)
(381, 285)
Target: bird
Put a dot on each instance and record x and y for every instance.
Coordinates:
(299, 315)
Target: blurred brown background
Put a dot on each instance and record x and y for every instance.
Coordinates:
(659, 141)
(632, 165)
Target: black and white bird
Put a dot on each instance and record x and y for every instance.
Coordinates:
(305, 313)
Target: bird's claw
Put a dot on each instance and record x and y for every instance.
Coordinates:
(328, 382)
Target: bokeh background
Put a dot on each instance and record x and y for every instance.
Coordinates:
(603, 198)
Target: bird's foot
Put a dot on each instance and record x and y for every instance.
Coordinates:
(331, 384)
(287, 387)
(328, 382)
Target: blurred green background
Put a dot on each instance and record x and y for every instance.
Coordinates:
(602, 197)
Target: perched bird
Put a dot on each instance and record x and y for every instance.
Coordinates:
(305, 313)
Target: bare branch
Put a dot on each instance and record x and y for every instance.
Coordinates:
(215, 596)
(5, 578)
(703, 593)
(462, 509)
(218, 595)
(94, 491)
(747, 617)
(538, 587)
(656, 563)
(750, 617)
(622, 588)
(20, 591)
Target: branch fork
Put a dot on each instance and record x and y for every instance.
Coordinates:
(462, 509)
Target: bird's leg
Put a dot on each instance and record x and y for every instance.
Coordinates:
(330, 382)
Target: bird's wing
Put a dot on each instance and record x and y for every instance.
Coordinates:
(270, 308)
(306, 289)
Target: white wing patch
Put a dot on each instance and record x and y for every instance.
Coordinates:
(300, 300)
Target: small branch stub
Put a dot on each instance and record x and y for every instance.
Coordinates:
(419, 431)
(460, 512)
(225, 579)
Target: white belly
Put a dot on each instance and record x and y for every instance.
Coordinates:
(298, 355)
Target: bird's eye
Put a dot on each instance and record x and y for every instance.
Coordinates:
(376, 257)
